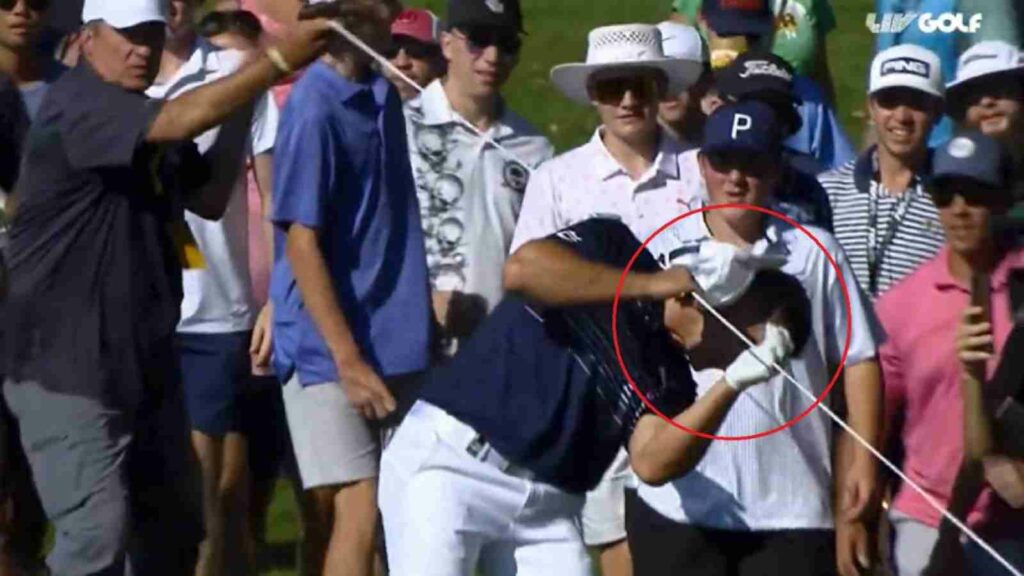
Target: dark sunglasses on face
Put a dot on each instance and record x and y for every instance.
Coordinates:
(413, 48)
(37, 5)
(974, 195)
(757, 165)
(480, 38)
(611, 90)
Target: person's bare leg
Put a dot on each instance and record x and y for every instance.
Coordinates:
(209, 452)
(318, 518)
(353, 540)
(234, 496)
(616, 560)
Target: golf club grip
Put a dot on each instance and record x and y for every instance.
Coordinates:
(981, 294)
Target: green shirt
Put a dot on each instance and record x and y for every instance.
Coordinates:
(800, 27)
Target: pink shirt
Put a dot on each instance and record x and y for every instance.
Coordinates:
(922, 384)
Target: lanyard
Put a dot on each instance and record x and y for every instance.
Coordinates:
(876, 248)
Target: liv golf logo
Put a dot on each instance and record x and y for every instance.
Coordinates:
(948, 22)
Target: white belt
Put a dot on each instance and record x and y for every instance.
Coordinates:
(464, 438)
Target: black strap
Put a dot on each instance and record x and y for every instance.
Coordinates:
(876, 248)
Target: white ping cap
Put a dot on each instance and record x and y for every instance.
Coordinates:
(125, 13)
(907, 66)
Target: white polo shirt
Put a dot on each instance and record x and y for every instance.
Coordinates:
(470, 192)
(218, 298)
(782, 481)
(587, 181)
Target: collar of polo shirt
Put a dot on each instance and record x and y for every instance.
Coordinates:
(865, 170)
(437, 111)
(771, 239)
(667, 160)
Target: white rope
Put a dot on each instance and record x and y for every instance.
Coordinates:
(382, 61)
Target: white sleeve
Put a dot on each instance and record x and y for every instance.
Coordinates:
(538, 217)
(265, 119)
(865, 332)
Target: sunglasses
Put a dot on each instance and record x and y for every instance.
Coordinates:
(747, 163)
(974, 195)
(36, 5)
(480, 38)
(413, 49)
(645, 88)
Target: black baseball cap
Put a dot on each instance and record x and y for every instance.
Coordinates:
(761, 75)
(974, 156)
(491, 13)
(739, 17)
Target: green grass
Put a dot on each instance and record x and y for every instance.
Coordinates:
(557, 33)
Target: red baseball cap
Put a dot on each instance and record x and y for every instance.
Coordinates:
(419, 24)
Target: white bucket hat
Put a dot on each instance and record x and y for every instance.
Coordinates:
(124, 13)
(624, 47)
(907, 66)
(986, 59)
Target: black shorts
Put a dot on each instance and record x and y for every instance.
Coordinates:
(663, 547)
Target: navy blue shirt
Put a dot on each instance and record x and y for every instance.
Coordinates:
(95, 278)
(341, 167)
(543, 386)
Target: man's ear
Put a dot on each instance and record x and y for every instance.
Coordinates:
(446, 42)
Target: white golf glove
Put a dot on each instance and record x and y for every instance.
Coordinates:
(724, 272)
(747, 369)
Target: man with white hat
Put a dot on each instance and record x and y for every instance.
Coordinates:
(96, 256)
(988, 95)
(489, 469)
(882, 215)
(629, 170)
(748, 506)
(682, 115)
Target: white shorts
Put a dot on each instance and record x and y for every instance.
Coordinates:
(448, 513)
(604, 514)
(333, 443)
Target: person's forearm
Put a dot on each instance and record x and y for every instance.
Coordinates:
(667, 452)
(262, 167)
(551, 273)
(318, 296)
(863, 390)
(197, 111)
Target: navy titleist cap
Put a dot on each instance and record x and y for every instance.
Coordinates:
(971, 154)
(748, 125)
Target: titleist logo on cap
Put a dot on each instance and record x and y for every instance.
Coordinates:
(906, 65)
(765, 68)
(977, 58)
(741, 4)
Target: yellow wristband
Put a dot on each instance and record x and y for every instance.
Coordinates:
(275, 57)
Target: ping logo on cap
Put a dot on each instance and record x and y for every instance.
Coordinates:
(765, 68)
(741, 123)
(906, 65)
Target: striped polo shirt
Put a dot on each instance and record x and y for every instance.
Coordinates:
(906, 226)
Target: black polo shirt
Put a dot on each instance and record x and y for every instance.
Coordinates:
(13, 127)
(95, 276)
(544, 387)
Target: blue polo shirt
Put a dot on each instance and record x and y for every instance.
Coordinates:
(341, 166)
(544, 386)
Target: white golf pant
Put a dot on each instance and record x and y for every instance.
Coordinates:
(451, 509)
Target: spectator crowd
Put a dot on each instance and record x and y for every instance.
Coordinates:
(239, 246)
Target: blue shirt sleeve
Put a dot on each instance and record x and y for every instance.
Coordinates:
(304, 167)
(821, 135)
